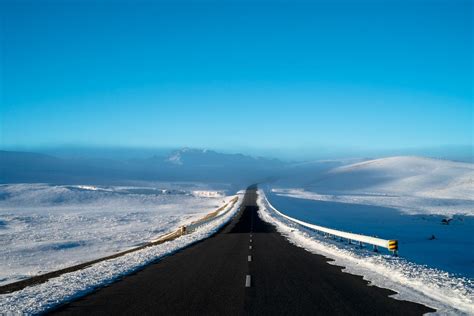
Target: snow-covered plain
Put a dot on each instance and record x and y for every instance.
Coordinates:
(448, 294)
(48, 227)
(43, 297)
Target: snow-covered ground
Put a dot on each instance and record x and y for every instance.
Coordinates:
(403, 198)
(413, 185)
(41, 298)
(451, 249)
(448, 294)
(48, 227)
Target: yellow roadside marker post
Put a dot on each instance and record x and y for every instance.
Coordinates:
(393, 246)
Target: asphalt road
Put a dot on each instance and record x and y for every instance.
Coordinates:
(211, 278)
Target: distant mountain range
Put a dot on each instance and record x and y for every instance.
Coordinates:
(201, 165)
(181, 165)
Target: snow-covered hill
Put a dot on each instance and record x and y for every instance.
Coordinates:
(403, 175)
(411, 184)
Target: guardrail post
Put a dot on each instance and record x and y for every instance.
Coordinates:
(393, 246)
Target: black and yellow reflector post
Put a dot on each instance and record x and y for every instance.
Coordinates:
(393, 246)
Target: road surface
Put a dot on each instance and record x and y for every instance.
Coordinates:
(247, 268)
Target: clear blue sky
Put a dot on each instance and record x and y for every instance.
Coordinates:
(240, 74)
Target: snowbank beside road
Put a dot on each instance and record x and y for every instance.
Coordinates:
(48, 227)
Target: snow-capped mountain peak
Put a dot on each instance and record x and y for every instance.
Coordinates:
(177, 157)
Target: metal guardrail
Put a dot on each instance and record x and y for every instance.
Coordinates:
(211, 216)
(182, 230)
(390, 244)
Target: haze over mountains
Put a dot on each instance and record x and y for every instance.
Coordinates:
(446, 179)
(182, 165)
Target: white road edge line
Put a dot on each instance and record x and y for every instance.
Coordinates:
(249, 258)
(247, 280)
(250, 247)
